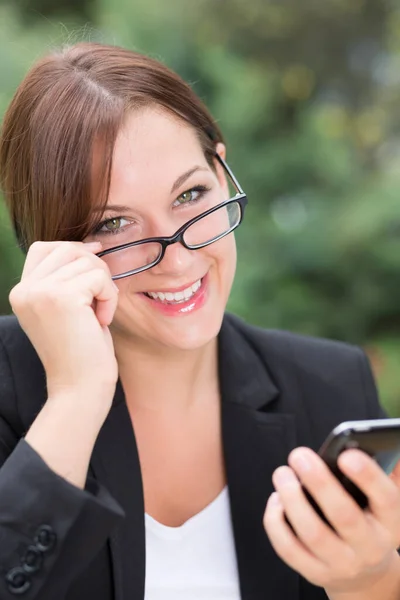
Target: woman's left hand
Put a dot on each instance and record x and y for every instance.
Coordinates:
(363, 546)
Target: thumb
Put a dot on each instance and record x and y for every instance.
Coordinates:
(395, 474)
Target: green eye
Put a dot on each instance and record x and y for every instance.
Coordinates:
(113, 224)
(191, 196)
(185, 197)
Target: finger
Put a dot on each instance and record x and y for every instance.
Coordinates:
(395, 474)
(316, 536)
(340, 509)
(98, 285)
(382, 492)
(82, 264)
(288, 546)
(46, 257)
(36, 253)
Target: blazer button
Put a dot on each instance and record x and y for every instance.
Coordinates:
(32, 560)
(45, 538)
(18, 581)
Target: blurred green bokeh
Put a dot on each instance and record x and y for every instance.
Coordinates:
(308, 97)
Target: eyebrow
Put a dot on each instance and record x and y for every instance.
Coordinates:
(180, 181)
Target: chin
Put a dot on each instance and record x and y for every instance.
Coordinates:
(192, 336)
(189, 324)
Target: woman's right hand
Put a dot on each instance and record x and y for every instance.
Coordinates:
(65, 302)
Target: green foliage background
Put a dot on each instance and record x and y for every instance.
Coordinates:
(307, 94)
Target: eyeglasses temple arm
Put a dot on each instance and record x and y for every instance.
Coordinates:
(229, 171)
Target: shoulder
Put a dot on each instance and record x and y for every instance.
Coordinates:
(301, 351)
(327, 378)
(22, 379)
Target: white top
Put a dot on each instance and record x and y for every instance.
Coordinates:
(196, 561)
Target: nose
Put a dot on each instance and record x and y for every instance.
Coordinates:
(177, 260)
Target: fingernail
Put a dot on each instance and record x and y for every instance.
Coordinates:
(274, 500)
(116, 287)
(91, 245)
(284, 476)
(301, 461)
(353, 461)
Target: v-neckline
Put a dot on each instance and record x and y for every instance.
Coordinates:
(204, 513)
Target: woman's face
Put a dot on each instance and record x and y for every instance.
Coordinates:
(160, 180)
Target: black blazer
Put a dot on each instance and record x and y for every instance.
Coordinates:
(58, 542)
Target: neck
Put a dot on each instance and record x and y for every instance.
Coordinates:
(160, 379)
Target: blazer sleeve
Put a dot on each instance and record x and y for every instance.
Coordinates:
(49, 529)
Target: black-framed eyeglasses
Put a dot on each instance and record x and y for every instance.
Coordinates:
(203, 230)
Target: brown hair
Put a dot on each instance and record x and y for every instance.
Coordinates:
(67, 103)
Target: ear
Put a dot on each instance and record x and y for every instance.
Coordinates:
(221, 150)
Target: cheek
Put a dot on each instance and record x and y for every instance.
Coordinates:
(224, 252)
(128, 288)
(130, 285)
(222, 255)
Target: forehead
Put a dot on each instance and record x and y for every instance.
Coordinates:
(153, 143)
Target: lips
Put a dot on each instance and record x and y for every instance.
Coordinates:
(179, 307)
(175, 297)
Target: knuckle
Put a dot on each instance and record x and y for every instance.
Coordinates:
(86, 262)
(69, 250)
(374, 559)
(314, 536)
(34, 297)
(100, 263)
(35, 247)
(346, 518)
(353, 570)
(99, 276)
(105, 267)
(16, 297)
(100, 273)
(349, 565)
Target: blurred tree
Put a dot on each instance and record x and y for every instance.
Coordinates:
(308, 96)
(33, 10)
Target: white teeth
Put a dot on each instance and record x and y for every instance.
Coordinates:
(196, 286)
(184, 295)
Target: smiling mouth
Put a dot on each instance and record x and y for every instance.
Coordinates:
(175, 297)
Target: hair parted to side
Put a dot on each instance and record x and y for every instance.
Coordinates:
(70, 105)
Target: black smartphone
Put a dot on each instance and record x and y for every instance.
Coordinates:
(379, 438)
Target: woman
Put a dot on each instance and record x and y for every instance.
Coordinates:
(143, 430)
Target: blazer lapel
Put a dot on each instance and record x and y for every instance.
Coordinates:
(115, 462)
(256, 441)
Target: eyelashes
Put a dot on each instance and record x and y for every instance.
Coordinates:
(97, 229)
(199, 191)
